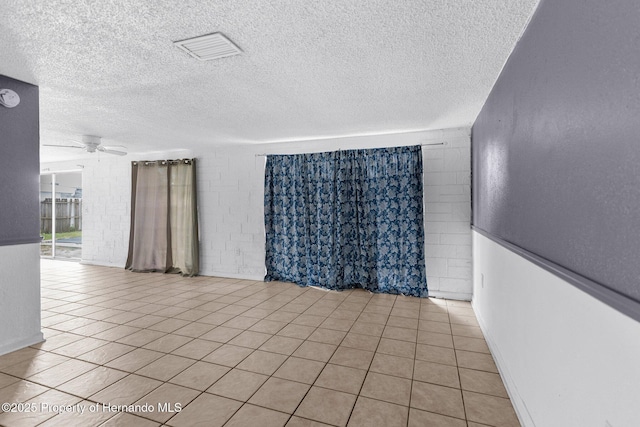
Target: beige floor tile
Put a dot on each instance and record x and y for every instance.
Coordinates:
(360, 341)
(41, 409)
(367, 328)
(374, 413)
(268, 326)
(167, 400)
(437, 327)
(463, 320)
(392, 339)
(296, 331)
(106, 353)
(127, 420)
(402, 322)
(250, 339)
(77, 419)
(134, 360)
(194, 329)
(337, 324)
(327, 406)
(238, 384)
(304, 422)
(430, 353)
(34, 365)
(169, 325)
(482, 382)
(437, 399)
(165, 367)
(233, 309)
(341, 378)
(140, 338)
(397, 348)
(228, 355)
(279, 394)
(352, 357)
(489, 410)
(207, 410)
(168, 343)
(258, 313)
(477, 361)
(146, 321)
(221, 334)
(79, 347)
(467, 331)
(262, 362)
(282, 316)
(301, 370)
(92, 382)
(61, 373)
(282, 345)
(196, 349)
(193, 314)
(402, 334)
(6, 380)
(436, 373)
(435, 317)
(48, 345)
(200, 375)
(388, 388)
(315, 351)
(378, 318)
(20, 391)
(309, 320)
(255, 416)
(470, 344)
(327, 336)
(116, 333)
(433, 338)
(392, 365)
(216, 318)
(412, 313)
(241, 322)
(126, 391)
(418, 418)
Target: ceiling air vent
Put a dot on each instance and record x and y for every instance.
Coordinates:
(211, 46)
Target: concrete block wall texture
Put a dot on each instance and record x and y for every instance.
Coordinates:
(231, 205)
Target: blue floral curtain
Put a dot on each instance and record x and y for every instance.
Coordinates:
(347, 219)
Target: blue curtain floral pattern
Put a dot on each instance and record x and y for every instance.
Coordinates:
(347, 219)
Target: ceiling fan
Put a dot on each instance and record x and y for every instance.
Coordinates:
(91, 144)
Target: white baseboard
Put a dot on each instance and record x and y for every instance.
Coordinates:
(101, 264)
(17, 345)
(512, 390)
(460, 296)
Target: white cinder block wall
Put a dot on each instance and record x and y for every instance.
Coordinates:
(231, 193)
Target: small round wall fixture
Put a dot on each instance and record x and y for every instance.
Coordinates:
(9, 98)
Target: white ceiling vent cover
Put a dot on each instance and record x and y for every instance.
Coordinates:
(211, 46)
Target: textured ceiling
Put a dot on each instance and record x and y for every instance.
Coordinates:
(310, 68)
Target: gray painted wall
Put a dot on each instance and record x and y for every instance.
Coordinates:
(19, 166)
(556, 148)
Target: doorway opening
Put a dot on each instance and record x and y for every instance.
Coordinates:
(61, 215)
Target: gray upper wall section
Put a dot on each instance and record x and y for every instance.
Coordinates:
(19, 166)
(556, 148)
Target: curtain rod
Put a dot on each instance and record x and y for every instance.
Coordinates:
(340, 149)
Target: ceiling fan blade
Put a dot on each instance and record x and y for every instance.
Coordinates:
(110, 151)
(63, 146)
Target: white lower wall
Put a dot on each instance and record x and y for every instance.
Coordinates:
(19, 296)
(566, 358)
(231, 204)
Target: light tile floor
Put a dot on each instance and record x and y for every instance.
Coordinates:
(210, 351)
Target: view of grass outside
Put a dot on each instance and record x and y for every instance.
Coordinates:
(65, 235)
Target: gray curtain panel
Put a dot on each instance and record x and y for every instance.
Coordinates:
(164, 217)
